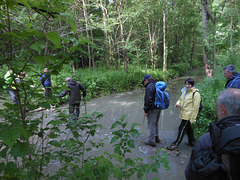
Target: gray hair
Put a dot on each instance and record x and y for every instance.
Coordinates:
(230, 68)
(46, 70)
(230, 98)
(67, 79)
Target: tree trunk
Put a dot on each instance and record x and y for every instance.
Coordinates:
(231, 24)
(92, 52)
(214, 45)
(74, 70)
(206, 12)
(125, 56)
(237, 9)
(86, 25)
(164, 43)
(205, 25)
(107, 46)
(151, 44)
(192, 52)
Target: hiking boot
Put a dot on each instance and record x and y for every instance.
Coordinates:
(190, 144)
(150, 143)
(173, 147)
(157, 139)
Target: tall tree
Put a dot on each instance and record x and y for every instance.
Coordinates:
(164, 41)
(206, 14)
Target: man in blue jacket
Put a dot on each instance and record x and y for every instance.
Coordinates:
(45, 79)
(233, 78)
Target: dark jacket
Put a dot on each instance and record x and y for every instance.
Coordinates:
(149, 98)
(74, 88)
(233, 82)
(199, 161)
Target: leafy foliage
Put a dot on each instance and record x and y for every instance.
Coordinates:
(101, 82)
(32, 147)
(124, 144)
(209, 90)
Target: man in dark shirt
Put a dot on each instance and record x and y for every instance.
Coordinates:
(203, 163)
(151, 111)
(73, 88)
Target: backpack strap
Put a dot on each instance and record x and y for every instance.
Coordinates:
(229, 141)
(215, 134)
(225, 140)
(194, 93)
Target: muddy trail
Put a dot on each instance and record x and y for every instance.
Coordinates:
(131, 104)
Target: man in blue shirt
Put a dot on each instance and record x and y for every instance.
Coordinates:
(233, 78)
(45, 79)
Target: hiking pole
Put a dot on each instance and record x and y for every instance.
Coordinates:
(85, 105)
(142, 124)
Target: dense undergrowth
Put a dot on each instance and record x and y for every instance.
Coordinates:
(98, 83)
(103, 82)
(209, 90)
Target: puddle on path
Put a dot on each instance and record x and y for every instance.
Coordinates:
(131, 104)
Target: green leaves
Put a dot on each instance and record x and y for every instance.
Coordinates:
(115, 124)
(131, 143)
(9, 136)
(134, 133)
(72, 24)
(54, 38)
(24, 2)
(37, 47)
(122, 136)
(20, 149)
(55, 122)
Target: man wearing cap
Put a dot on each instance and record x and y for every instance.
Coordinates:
(151, 111)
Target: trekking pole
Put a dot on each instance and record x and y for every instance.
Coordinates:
(142, 124)
(85, 105)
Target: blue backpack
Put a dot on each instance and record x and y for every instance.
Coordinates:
(161, 96)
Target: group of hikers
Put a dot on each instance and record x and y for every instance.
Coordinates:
(216, 154)
(74, 89)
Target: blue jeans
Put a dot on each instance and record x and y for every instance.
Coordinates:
(14, 95)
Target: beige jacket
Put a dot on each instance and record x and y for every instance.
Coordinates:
(189, 104)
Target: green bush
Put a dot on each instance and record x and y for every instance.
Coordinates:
(181, 68)
(209, 90)
(229, 58)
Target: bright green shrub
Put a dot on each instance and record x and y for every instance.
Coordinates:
(209, 90)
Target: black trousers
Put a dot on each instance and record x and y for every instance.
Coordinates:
(185, 126)
(74, 109)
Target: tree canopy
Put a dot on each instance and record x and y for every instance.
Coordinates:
(152, 34)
